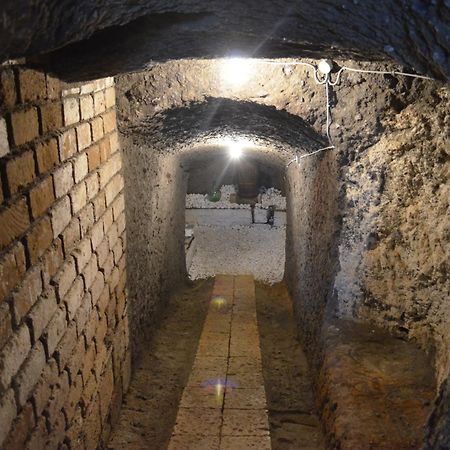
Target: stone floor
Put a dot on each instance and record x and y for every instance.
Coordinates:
(215, 363)
(224, 403)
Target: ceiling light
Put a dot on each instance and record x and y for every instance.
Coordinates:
(325, 66)
(236, 71)
(235, 150)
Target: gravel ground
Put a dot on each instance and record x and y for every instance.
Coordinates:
(255, 249)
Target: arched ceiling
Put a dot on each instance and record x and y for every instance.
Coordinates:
(275, 136)
(126, 35)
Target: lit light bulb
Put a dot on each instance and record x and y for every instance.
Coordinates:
(325, 66)
(236, 71)
(235, 150)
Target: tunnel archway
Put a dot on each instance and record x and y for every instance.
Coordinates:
(155, 151)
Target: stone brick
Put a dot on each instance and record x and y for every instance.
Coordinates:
(53, 87)
(52, 261)
(97, 128)
(97, 287)
(68, 144)
(38, 438)
(80, 167)
(4, 144)
(71, 236)
(21, 429)
(20, 171)
(99, 102)
(107, 220)
(83, 313)
(118, 206)
(14, 220)
(55, 330)
(92, 425)
(47, 155)
(110, 97)
(12, 267)
(73, 398)
(82, 254)
(27, 294)
(78, 197)
(93, 155)
(39, 239)
(75, 433)
(29, 374)
(51, 116)
(25, 125)
(92, 185)
(71, 111)
(114, 142)
(33, 85)
(90, 271)
(63, 180)
(61, 216)
(102, 252)
(70, 90)
(102, 328)
(87, 219)
(105, 149)
(13, 355)
(66, 346)
(73, 298)
(5, 323)
(8, 91)
(76, 359)
(104, 299)
(87, 88)
(45, 385)
(65, 277)
(57, 432)
(118, 251)
(89, 391)
(89, 331)
(42, 312)
(97, 235)
(84, 137)
(87, 107)
(7, 414)
(106, 389)
(99, 203)
(41, 197)
(113, 189)
(109, 121)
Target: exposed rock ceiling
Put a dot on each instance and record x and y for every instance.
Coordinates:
(410, 32)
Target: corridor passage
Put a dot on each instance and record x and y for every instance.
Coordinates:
(222, 370)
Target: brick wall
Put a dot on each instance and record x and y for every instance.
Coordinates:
(64, 359)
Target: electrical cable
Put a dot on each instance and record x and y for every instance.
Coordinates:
(327, 82)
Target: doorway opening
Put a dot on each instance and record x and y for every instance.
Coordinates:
(235, 216)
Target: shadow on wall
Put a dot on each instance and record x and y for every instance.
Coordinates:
(311, 244)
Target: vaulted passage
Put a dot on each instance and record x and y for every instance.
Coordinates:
(224, 226)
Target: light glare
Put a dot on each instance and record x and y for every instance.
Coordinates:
(235, 150)
(236, 71)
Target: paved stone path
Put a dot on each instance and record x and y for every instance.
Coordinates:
(223, 405)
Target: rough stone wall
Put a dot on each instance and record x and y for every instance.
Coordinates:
(392, 180)
(394, 265)
(155, 190)
(311, 243)
(64, 359)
